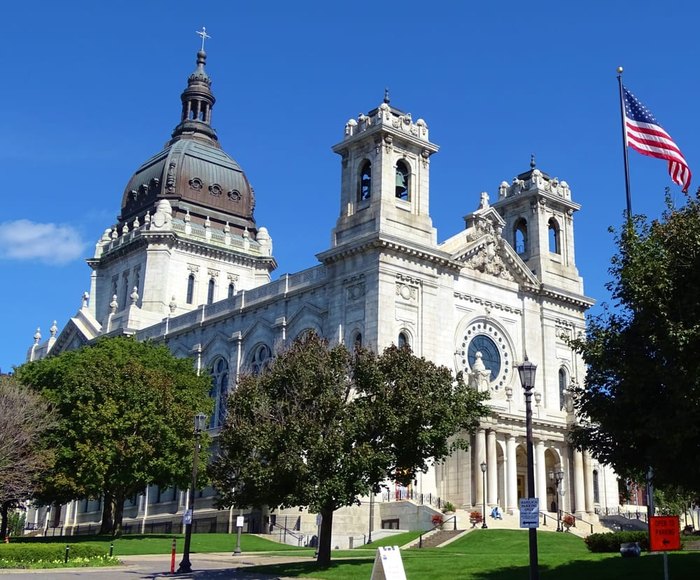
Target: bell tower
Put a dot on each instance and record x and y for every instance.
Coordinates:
(385, 186)
(539, 216)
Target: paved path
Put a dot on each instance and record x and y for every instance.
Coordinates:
(216, 566)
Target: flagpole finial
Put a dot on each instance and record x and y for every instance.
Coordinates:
(619, 70)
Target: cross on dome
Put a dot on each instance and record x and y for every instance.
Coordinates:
(203, 34)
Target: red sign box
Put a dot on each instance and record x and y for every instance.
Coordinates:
(664, 533)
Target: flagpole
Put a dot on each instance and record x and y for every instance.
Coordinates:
(624, 145)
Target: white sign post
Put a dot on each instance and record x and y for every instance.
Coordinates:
(388, 564)
(529, 512)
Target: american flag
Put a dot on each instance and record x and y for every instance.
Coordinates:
(644, 134)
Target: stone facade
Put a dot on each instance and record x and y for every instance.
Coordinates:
(190, 271)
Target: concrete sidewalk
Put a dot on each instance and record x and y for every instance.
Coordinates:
(214, 566)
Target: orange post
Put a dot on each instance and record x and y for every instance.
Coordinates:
(172, 557)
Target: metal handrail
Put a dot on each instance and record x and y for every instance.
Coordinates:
(436, 526)
(299, 537)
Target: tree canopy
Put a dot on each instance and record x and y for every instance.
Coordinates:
(641, 398)
(125, 420)
(321, 426)
(24, 458)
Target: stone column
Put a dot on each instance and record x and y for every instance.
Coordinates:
(492, 470)
(541, 475)
(579, 500)
(588, 481)
(478, 455)
(511, 476)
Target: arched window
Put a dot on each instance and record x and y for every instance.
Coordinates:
(190, 289)
(219, 391)
(554, 237)
(210, 291)
(403, 340)
(403, 183)
(231, 290)
(260, 358)
(520, 236)
(596, 486)
(563, 382)
(357, 340)
(364, 190)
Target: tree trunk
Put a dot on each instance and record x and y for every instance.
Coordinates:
(118, 516)
(107, 524)
(4, 524)
(324, 542)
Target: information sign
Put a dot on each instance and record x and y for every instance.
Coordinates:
(388, 564)
(187, 517)
(664, 533)
(239, 521)
(529, 512)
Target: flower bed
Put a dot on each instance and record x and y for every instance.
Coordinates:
(53, 556)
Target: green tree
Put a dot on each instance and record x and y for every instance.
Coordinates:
(24, 458)
(320, 427)
(641, 399)
(125, 420)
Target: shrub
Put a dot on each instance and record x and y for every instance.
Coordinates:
(21, 554)
(610, 542)
(448, 506)
(568, 521)
(437, 519)
(475, 517)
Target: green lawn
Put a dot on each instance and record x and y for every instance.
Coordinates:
(503, 555)
(161, 543)
(480, 555)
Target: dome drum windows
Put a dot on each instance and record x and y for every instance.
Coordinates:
(210, 290)
(190, 289)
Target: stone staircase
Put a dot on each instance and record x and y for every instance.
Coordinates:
(437, 538)
(512, 522)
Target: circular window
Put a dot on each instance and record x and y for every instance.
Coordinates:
(490, 355)
(482, 336)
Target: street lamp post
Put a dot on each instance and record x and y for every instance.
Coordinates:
(185, 565)
(527, 371)
(483, 494)
(558, 477)
(371, 515)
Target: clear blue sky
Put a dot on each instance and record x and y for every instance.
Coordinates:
(91, 90)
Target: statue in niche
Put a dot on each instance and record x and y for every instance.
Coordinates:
(479, 375)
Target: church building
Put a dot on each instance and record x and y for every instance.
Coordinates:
(187, 264)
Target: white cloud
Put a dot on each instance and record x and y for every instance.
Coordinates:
(49, 243)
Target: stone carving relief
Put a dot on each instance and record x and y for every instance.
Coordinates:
(487, 261)
(356, 291)
(409, 293)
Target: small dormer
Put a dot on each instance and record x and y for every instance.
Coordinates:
(538, 213)
(385, 183)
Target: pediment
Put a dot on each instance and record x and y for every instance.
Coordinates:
(73, 335)
(485, 250)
